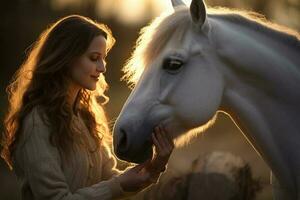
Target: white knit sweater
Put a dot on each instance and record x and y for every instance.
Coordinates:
(45, 174)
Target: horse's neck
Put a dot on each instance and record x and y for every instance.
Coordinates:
(260, 60)
(271, 129)
(279, 43)
(262, 96)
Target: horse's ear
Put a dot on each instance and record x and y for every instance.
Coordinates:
(176, 3)
(198, 13)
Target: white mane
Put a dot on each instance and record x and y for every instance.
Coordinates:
(155, 36)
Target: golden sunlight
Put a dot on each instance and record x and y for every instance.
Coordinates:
(60, 4)
(126, 11)
(134, 11)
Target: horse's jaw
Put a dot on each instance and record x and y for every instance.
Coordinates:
(188, 134)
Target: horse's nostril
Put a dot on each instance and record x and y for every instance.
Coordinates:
(123, 143)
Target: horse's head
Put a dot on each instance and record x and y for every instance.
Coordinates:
(179, 86)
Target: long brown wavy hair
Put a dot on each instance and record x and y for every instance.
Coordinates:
(43, 79)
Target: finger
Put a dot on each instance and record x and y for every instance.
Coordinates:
(138, 168)
(157, 160)
(144, 177)
(170, 140)
(169, 145)
(168, 148)
(141, 166)
(154, 135)
(156, 143)
(164, 151)
(161, 140)
(154, 178)
(156, 130)
(166, 139)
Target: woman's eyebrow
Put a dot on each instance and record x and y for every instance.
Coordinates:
(96, 52)
(99, 53)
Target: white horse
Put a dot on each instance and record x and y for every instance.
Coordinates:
(190, 65)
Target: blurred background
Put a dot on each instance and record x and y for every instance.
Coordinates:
(23, 20)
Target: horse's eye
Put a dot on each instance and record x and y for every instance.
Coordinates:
(172, 64)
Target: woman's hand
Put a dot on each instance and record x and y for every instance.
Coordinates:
(135, 178)
(164, 146)
(142, 175)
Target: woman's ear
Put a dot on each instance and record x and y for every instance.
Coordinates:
(198, 14)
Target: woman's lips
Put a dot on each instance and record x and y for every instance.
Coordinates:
(96, 78)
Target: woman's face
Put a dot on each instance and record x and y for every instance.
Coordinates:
(86, 69)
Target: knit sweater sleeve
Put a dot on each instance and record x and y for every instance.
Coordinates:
(41, 165)
(110, 162)
(110, 170)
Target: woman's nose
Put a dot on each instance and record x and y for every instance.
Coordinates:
(101, 67)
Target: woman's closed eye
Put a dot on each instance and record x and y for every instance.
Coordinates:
(97, 59)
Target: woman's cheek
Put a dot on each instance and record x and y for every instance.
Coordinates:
(81, 72)
(87, 67)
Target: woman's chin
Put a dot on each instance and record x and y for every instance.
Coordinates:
(91, 87)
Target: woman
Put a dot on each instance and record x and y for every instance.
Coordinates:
(56, 134)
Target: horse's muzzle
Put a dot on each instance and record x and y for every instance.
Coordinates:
(129, 149)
